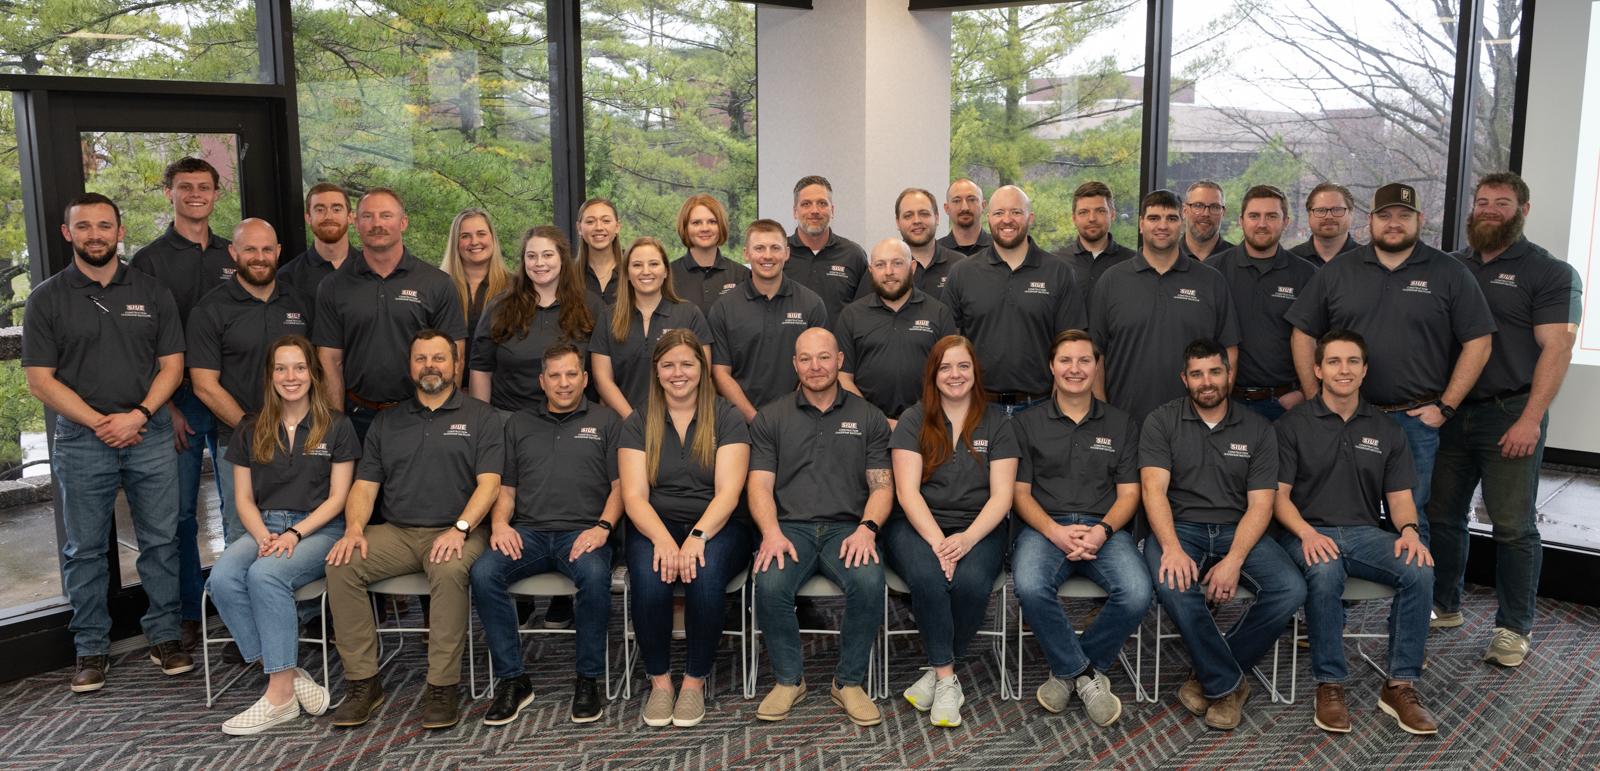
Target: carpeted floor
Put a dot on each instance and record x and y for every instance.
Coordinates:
(1544, 715)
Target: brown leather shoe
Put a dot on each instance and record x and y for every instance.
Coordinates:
(780, 700)
(441, 709)
(857, 705)
(91, 673)
(1331, 713)
(169, 656)
(361, 699)
(189, 634)
(1225, 713)
(1193, 697)
(1405, 706)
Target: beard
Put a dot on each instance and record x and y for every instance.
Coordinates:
(1202, 231)
(1487, 237)
(433, 382)
(1209, 400)
(1406, 242)
(1020, 239)
(1261, 243)
(814, 232)
(966, 218)
(95, 262)
(927, 236)
(904, 288)
(247, 276)
(329, 231)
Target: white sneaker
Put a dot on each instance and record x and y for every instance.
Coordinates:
(921, 694)
(947, 701)
(261, 716)
(1507, 648)
(313, 698)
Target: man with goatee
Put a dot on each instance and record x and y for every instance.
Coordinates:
(886, 337)
(329, 214)
(1497, 435)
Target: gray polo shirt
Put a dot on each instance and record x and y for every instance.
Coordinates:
(683, 487)
(755, 336)
(838, 273)
(1075, 467)
(1223, 245)
(295, 480)
(630, 361)
(307, 270)
(428, 461)
(189, 269)
(1262, 291)
(1525, 286)
(1412, 318)
(887, 351)
(608, 296)
(959, 488)
(562, 465)
(704, 286)
(1087, 267)
(821, 459)
(933, 278)
(1308, 250)
(984, 241)
(372, 319)
(230, 332)
(104, 342)
(514, 366)
(1142, 320)
(1213, 469)
(1011, 316)
(1341, 469)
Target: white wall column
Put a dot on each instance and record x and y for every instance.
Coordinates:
(857, 91)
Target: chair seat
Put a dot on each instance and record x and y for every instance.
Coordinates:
(1362, 589)
(819, 586)
(898, 585)
(1080, 587)
(410, 584)
(544, 585)
(312, 590)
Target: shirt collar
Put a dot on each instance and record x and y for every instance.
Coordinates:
(1520, 248)
(914, 297)
(406, 264)
(719, 263)
(78, 279)
(1242, 258)
(803, 403)
(796, 243)
(1077, 246)
(1140, 263)
(1097, 409)
(1228, 419)
(1032, 259)
(543, 411)
(179, 242)
(1321, 409)
(453, 402)
(239, 292)
(1420, 254)
(785, 287)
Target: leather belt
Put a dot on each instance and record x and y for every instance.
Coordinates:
(1498, 397)
(371, 405)
(1420, 401)
(1013, 397)
(1262, 394)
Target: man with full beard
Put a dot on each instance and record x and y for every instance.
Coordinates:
(1011, 300)
(102, 347)
(1498, 435)
(963, 201)
(329, 215)
(1415, 306)
(885, 338)
(916, 216)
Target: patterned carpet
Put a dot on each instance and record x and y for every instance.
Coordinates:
(1545, 715)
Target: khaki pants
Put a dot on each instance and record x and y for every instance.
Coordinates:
(397, 551)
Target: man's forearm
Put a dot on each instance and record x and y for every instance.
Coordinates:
(1474, 355)
(1253, 524)
(216, 398)
(1034, 515)
(1548, 374)
(58, 397)
(729, 388)
(1304, 349)
(482, 500)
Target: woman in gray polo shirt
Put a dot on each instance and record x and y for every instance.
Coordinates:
(290, 488)
(954, 476)
(647, 307)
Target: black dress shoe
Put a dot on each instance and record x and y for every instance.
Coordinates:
(509, 699)
(587, 705)
(559, 614)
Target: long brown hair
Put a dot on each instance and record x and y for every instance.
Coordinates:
(705, 408)
(266, 441)
(521, 303)
(497, 278)
(934, 440)
(622, 314)
(616, 242)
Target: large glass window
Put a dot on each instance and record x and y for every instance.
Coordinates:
(670, 110)
(128, 168)
(1049, 97)
(1501, 37)
(209, 40)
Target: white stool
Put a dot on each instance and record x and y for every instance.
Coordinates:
(317, 590)
(1355, 590)
(1083, 588)
(893, 582)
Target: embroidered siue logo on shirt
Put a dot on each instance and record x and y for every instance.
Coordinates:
(726, 287)
(408, 295)
(921, 325)
(848, 428)
(942, 281)
(135, 312)
(458, 429)
(589, 432)
(1037, 287)
(227, 273)
(1419, 287)
(798, 319)
(1102, 444)
(1187, 294)
(1370, 445)
(1284, 293)
(980, 445)
(838, 271)
(1236, 450)
(321, 450)
(293, 318)
(1506, 279)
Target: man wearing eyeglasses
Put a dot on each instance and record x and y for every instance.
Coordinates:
(1330, 209)
(964, 204)
(1203, 207)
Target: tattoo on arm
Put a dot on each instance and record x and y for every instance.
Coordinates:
(880, 479)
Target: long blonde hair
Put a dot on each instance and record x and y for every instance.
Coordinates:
(497, 280)
(622, 314)
(266, 441)
(705, 408)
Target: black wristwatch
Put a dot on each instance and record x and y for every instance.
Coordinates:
(870, 525)
(603, 524)
(1411, 525)
(297, 536)
(141, 408)
(1447, 411)
(1109, 531)
(697, 533)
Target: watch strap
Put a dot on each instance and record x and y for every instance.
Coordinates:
(870, 525)
(1109, 532)
(1411, 525)
(603, 524)
(144, 410)
(697, 533)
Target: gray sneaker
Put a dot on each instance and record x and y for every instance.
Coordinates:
(1094, 688)
(947, 701)
(1054, 695)
(1508, 649)
(921, 694)
(1444, 619)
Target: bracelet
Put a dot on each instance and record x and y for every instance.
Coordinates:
(297, 536)
(1411, 525)
(604, 524)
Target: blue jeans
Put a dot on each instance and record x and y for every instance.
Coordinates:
(360, 417)
(818, 544)
(1424, 441)
(1266, 408)
(949, 612)
(1221, 660)
(190, 578)
(1469, 452)
(1039, 568)
(255, 595)
(87, 475)
(232, 528)
(1366, 553)
(705, 599)
(544, 552)
(1013, 409)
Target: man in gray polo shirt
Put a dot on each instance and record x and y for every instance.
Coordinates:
(1329, 209)
(1203, 209)
(886, 337)
(1095, 249)
(329, 215)
(1498, 436)
(964, 205)
(820, 486)
(916, 216)
(819, 259)
(1414, 305)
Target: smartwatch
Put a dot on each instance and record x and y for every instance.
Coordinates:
(1109, 531)
(297, 536)
(463, 527)
(870, 525)
(1411, 525)
(697, 533)
(603, 524)
(1447, 411)
(141, 408)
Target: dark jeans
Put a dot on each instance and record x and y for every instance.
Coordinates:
(818, 544)
(1424, 441)
(949, 612)
(1266, 408)
(1221, 660)
(190, 581)
(544, 552)
(1039, 568)
(1366, 553)
(360, 417)
(705, 599)
(1469, 453)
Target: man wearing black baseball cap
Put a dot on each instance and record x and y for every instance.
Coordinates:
(1414, 305)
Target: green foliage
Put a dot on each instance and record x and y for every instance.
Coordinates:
(208, 40)
(1273, 165)
(128, 168)
(19, 411)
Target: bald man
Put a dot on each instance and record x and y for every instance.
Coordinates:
(820, 486)
(963, 204)
(887, 335)
(1011, 300)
